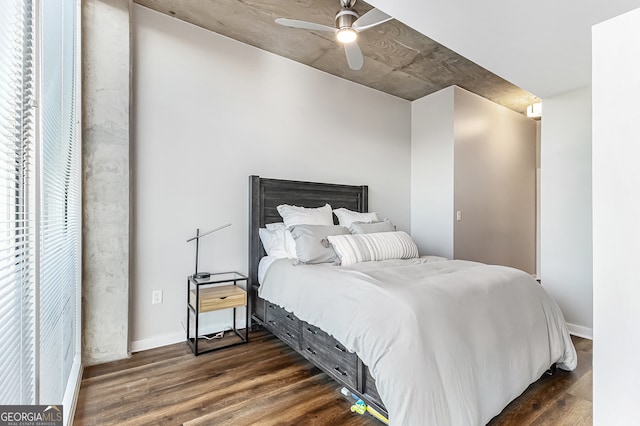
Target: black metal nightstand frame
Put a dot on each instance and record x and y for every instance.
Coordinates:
(216, 279)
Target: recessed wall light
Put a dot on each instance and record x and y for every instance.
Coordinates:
(534, 110)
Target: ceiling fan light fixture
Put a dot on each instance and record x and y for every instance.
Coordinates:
(346, 35)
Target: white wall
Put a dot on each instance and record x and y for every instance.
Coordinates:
(565, 222)
(616, 209)
(209, 112)
(432, 173)
(538, 144)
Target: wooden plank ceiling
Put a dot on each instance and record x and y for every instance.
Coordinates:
(397, 59)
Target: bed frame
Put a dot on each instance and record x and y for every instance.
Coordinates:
(311, 342)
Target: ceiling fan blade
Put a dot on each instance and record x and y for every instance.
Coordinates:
(370, 19)
(354, 56)
(294, 23)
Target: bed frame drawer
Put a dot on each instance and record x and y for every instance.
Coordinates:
(370, 390)
(283, 324)
(329, 354)
(322, 350)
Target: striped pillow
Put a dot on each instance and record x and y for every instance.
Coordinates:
(378, 246)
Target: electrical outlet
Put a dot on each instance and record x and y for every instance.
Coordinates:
(156, 297)
(458, 215)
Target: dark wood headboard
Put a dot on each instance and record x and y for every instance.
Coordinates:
(266, 194)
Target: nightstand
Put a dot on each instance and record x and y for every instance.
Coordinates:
(219, 291)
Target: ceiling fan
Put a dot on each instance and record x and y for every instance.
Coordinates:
(348, 24)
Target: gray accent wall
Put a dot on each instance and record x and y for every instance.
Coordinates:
(105, 98)
(494, 183)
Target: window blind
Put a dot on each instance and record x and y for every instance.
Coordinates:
(60, 204)
(17, 204)
(40, 201)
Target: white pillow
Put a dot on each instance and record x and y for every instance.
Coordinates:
(294, 215)
(372, 227)
(357, 248)
(275, 226)
(278, 242)
(346, 217)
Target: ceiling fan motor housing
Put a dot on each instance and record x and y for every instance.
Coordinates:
(345, 18)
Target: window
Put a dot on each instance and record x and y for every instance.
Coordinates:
(17, 204)
(40, 205)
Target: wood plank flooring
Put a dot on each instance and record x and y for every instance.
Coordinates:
(267, 383)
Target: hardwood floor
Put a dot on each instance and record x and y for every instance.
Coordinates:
(562, 399)
(267, 383)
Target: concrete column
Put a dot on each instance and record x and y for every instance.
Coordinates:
(106, 69)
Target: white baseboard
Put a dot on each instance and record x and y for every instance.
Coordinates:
(172, 338)
(157, 341)
(580, 331)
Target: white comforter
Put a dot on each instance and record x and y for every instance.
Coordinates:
(448, 342)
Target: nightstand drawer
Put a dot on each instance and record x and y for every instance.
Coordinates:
(221, 297)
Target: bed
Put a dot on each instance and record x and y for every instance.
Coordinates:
(447, 341)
